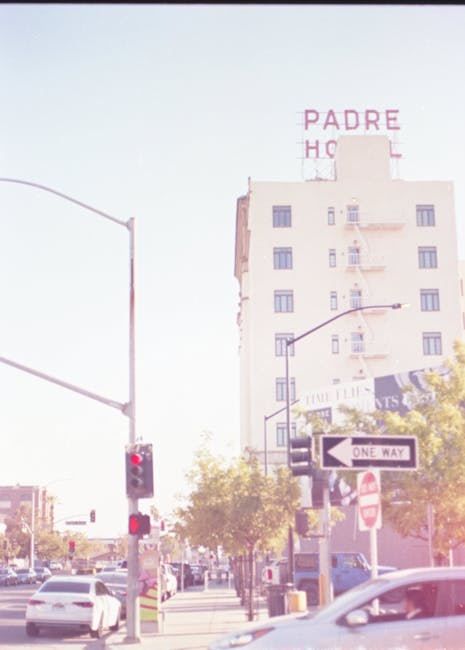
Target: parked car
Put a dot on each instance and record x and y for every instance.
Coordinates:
(168, 581)
(55, 566)
(186, 571)
(26, 576)
(43, 573)
(371, 615)
(198, 571)
(117, 583)
(8, 576)
(83, 603)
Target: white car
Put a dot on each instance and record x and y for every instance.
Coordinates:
(80, 602)
(373, 615)
(169, 583)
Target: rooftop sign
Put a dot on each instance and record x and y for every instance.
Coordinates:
(328, 125)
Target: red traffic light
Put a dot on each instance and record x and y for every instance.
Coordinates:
(136, 459)
(139, 524)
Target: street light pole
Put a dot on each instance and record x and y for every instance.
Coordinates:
(324, 561)
(265, 433)
(128, 409)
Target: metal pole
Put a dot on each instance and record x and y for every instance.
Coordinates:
(290, 540)
(325, 564)
(265, 445)
(133, 613)
(33, 516)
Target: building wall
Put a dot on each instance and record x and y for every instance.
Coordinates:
(12, 497)
(388, 238)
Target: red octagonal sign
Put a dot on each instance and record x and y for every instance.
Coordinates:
(369, 500)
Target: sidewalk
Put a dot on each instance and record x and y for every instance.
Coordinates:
(192, 620)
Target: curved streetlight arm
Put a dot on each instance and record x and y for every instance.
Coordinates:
(67, 198)
(396, 305)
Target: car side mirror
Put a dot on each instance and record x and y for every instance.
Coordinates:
(357, 618)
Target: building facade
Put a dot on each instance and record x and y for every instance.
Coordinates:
(13, 497)
(307, 251)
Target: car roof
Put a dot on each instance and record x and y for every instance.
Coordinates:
(421, 573)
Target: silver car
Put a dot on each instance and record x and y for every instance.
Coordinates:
(377, 614)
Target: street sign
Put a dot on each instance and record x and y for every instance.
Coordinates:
(387, 452)
(369, 500)
(75, 523)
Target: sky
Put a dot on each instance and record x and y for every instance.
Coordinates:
(161, 113)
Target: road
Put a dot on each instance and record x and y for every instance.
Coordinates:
(13, 602)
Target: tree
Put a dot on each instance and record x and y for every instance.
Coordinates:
(234, 505)
(438, 421)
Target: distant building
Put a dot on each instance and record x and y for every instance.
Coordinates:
(306, 251)
(12, 497)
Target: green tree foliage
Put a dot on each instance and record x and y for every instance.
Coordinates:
(438, 422)
(234, 505)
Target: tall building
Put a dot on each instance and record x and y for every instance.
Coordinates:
(306, 251)
(12, 497)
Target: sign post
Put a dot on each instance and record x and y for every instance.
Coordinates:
(358, 452)
(369, 511)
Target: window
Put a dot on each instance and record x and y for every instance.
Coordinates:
(280, 345)
(331, 217)
(429, 299)
(335, 344)
(332, 257)
(281, 433)
(357, 342)
(281, 216)
(282, 258)
(281, 389)
(354, 255)
(352, 214)
(425, 215)
(427, 257)
(283, 301)
(333, 300)
(355, 298)
(432, 343)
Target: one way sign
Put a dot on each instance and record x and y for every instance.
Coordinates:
(389, 453)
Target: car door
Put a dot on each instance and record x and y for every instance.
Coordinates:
(388, 626)
(452, 600)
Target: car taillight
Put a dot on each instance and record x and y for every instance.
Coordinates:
(34, 601)
(83, 603)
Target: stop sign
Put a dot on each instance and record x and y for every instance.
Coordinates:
(369, 500)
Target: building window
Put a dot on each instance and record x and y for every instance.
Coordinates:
(282, 258)
(425, 215)
(432, 343)
(333, 300)
(281, 433)
(355, 298)
(335, 344)
(284, 301)
(281, 389)
(354, 255)
(429, 299)
(281, 216)
(280, 345)
(352, 214)
(358, 346)
(331, 217)
(427, 257)
(332, 257)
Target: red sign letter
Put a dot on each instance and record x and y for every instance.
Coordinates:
(331, 148)
(350, 127)
(310, 117)
(331, 120)
(309, 147)
(371, 120)
(391, 120)
(392, 154)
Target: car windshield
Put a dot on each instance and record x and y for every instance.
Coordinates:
(66, 587)
(113, 579)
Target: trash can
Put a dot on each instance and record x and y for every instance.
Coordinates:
(276, 602)
(297, 601)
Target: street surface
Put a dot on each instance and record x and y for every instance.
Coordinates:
(13, 602)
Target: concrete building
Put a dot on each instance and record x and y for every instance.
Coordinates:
(12, 497)
(306, 251)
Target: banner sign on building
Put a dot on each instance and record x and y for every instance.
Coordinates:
(322, 128)
(387, 393)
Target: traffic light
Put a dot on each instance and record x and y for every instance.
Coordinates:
(92, 516)
(71, 549)
(301, 461)
(139, 471)
(139, 524)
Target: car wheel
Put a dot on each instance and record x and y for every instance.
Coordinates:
(96, 634)
(115, 627)
(32, 629)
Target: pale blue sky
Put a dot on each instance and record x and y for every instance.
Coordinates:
(162, 113)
